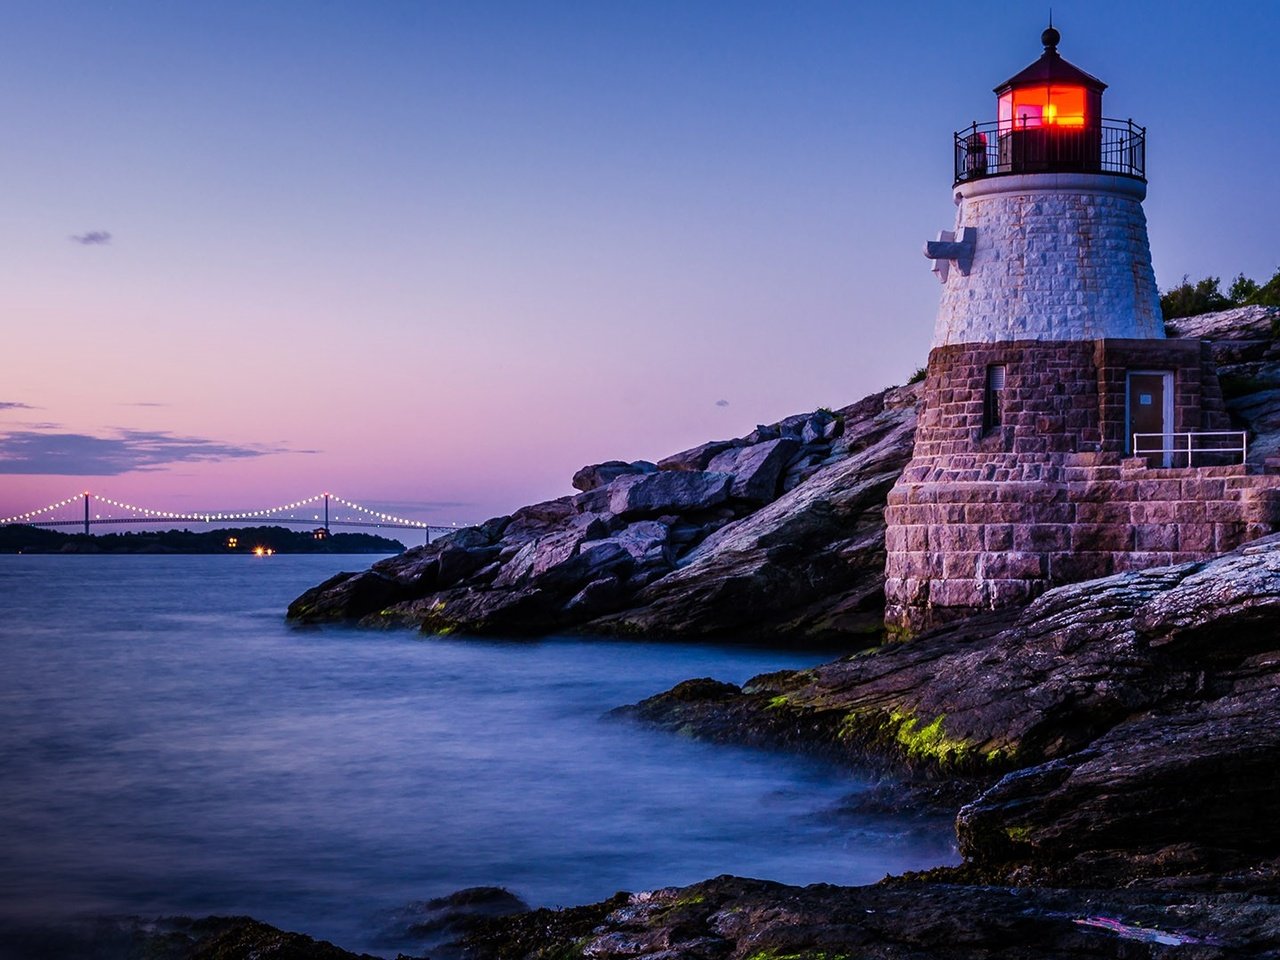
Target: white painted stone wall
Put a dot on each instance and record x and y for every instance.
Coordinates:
(1057, 257)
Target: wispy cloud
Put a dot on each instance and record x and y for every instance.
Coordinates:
(145, 403)
(94, 238)
(14, 405)
(80, 454)
(722, 403)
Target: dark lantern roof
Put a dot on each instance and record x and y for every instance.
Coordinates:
(1051, 68)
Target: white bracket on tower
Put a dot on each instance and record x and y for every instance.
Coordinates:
(947, 250)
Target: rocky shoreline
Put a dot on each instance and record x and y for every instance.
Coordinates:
(777, 533)
(1122, 730)
(775, 536)
(1109, 753)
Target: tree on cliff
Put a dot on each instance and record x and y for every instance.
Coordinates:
(1189, 299)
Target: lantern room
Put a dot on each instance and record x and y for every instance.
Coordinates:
(1050, 93)
(1049, 120)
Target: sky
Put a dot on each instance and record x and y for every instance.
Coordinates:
(434, 257)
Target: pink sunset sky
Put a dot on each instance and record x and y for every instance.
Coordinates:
(435, 257)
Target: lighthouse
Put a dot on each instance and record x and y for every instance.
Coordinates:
(1050, 241)
(1061, 436)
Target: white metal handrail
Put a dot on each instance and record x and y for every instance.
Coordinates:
(1173, 445)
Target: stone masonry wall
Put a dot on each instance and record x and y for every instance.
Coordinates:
(1059, 398)
(1057, 257)
(981, 520)
(1198, 403)
(958, 548)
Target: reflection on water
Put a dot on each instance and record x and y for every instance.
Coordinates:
(168, 744)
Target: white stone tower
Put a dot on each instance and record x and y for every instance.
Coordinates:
(1052, 237)
(1053, 405)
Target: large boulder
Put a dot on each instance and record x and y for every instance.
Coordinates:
(645, 540)
(1259, 411)
(1245, 346)
(597, 475)
(1185, 791)
(337, 597)
(697, 458)
(756, 469)
(1240, 323)
(669, 491)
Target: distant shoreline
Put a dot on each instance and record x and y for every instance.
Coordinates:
(228, 541)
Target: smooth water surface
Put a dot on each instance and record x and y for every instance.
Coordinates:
(168, 744)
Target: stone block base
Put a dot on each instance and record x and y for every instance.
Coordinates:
(957, 548)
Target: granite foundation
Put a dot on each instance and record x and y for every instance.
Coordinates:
(986, 517)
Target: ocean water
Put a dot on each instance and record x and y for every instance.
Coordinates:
(168, 744)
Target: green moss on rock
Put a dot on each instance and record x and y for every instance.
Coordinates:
(918, 743)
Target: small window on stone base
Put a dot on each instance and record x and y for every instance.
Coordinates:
(993, 398)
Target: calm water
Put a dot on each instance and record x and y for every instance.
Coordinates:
(168, 744)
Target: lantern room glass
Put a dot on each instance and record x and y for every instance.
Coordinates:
(1052, 105)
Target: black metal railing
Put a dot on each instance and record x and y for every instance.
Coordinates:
(996, 149)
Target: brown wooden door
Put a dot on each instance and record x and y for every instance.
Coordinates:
(1147, 403)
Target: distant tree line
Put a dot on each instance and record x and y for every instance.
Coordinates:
(1188, 299)
(19, 538)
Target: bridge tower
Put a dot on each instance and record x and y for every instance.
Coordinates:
(1049, 356)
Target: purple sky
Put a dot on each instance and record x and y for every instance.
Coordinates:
(441, 255)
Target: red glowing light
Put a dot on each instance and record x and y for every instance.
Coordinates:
(1054, 105)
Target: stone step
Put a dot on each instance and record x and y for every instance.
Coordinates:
(1271, 465)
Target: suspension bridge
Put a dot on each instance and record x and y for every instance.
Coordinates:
(320, 511)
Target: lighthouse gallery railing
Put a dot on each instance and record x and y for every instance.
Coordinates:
(1005, 147)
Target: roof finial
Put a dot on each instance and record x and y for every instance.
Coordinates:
(1051, 36)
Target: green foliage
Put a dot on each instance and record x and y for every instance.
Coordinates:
(919, 375)
(1267, 295)
(1242, 288)
(1188, 299)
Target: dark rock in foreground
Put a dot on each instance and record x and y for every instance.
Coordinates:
(168, 938)
(730, 918)
(435, 924)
